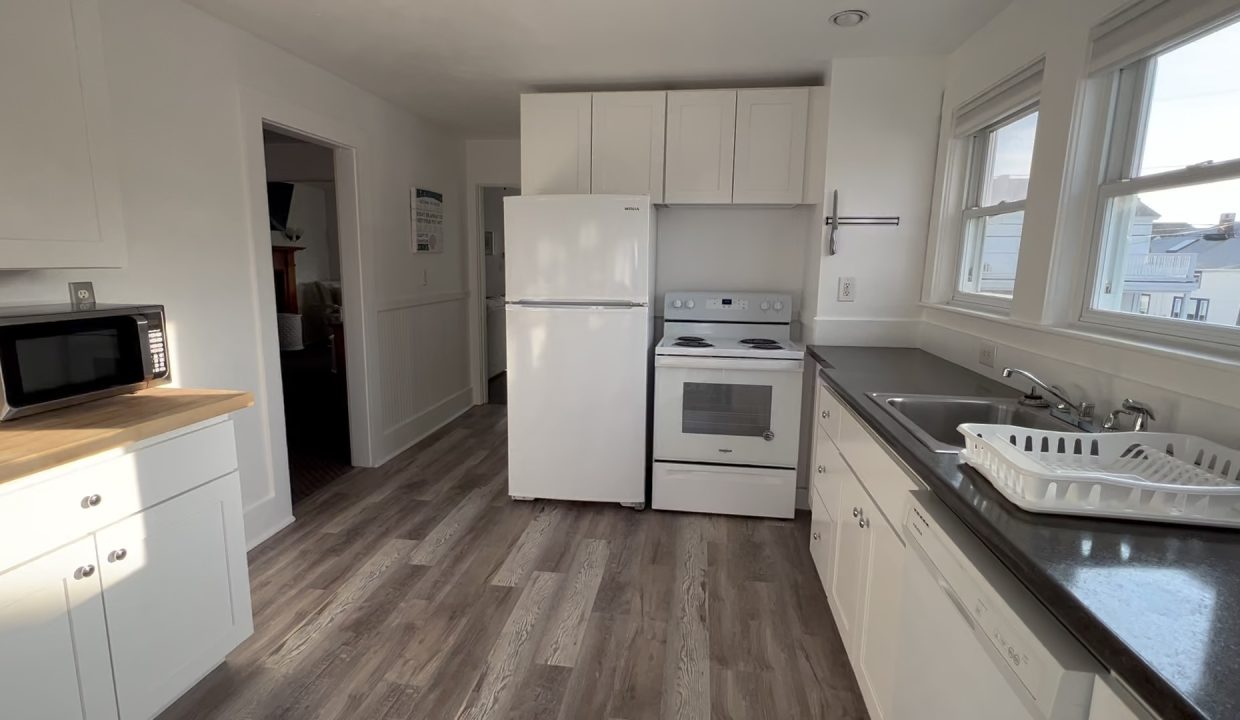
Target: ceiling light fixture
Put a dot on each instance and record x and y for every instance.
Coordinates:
(849, 18)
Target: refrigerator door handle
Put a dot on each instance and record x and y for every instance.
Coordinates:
(535, 305)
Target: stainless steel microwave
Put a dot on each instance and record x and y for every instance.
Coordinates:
(53, 356)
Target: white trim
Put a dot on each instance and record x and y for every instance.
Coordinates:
(257, 109)
(1148, 27)
(252, 543)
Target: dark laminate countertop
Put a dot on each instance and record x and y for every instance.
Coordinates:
(1158, 604)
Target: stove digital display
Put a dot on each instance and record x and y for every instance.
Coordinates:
(727, 301)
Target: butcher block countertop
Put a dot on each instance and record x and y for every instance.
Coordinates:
(31, 444)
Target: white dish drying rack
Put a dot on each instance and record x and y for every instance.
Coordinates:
(1164, 477)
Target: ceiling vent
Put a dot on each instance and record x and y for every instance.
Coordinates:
(849, 18)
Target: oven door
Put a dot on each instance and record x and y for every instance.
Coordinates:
(735, 411)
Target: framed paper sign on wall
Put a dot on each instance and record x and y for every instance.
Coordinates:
(426, 209)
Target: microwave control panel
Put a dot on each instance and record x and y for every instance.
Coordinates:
(159, 351)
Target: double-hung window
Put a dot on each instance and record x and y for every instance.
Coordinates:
(992, 154)
(1000, 158)
(1167, 255)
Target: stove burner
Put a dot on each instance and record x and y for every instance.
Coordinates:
(767, 346)
(690, 338)
(758, 341)
(692, 343)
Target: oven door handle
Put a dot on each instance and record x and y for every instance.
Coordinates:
(721, 363)
(144, 347)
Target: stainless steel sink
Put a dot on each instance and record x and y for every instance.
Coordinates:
(933, 419)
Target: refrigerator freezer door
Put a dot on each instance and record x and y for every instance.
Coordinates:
(579, 247)
(577, 387)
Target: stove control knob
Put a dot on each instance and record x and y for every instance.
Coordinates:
(677, 303)
(778, 306)
(689, 304)
(765, 306)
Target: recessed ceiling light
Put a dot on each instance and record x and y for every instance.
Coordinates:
(849, 18)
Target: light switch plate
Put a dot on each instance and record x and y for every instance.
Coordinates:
(82, 295)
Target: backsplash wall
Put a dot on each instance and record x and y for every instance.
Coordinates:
(732, 248)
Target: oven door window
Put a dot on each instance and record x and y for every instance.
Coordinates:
(726, 409)
(44, 362)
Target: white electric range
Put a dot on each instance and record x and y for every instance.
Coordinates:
(727, 405)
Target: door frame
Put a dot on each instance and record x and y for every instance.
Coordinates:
(478, 290)
(258, 111)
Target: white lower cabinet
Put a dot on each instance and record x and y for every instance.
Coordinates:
(177, 595)
(122, 620)
(865, 566)
(54, 661)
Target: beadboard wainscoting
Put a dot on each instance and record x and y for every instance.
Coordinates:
(423, 368)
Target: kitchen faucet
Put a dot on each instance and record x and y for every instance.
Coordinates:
(1083, 412)
(1141, 414)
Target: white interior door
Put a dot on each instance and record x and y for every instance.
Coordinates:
(578, 247)
(177, 593)
(577, 388)
(54, 661)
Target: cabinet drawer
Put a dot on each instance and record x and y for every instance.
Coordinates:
(885, 480)
(67, 503)
(827, 410)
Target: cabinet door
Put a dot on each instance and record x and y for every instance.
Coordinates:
(555, 144)
(770, 145)
(878, 644)
(701, 134)
(176, 587)
(53, 641)
(852, 557)
(626, 146)
(822, 529)
(59, 199)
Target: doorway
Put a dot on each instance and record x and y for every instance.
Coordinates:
(310, 319)
(492, 239)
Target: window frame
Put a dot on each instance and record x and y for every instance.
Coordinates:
(979, 151)
(1121, 138)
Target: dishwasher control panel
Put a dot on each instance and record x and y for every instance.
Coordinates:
(1050, 666)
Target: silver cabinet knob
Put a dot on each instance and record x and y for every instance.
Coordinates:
(768, 436)
(856, 512)
(816, 536)
(91, 501)
(825, 414)
(118, 555)
(85, 571)
(863, 523)
(822, 469)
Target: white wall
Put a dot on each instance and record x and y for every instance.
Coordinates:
(177, 79)
(1191, 390)
(726, 248)
(880, 154)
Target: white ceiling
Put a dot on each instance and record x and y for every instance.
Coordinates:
(462, 63)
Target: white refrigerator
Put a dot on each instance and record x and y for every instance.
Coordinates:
(579, 283)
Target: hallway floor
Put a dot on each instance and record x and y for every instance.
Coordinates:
(419, 590)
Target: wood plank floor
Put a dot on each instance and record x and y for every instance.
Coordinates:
(419, 590)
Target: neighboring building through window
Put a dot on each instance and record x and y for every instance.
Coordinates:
(1168, 246)
(1000, 158)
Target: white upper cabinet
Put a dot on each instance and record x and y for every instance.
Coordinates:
(627, 143)
(701, 134)
(59, 198)
(54, 662)
(770, 145)
(555, 143)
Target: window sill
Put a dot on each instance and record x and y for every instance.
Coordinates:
(1200, 353)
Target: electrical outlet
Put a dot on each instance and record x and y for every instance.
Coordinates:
(986, 354)
(847, 290)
